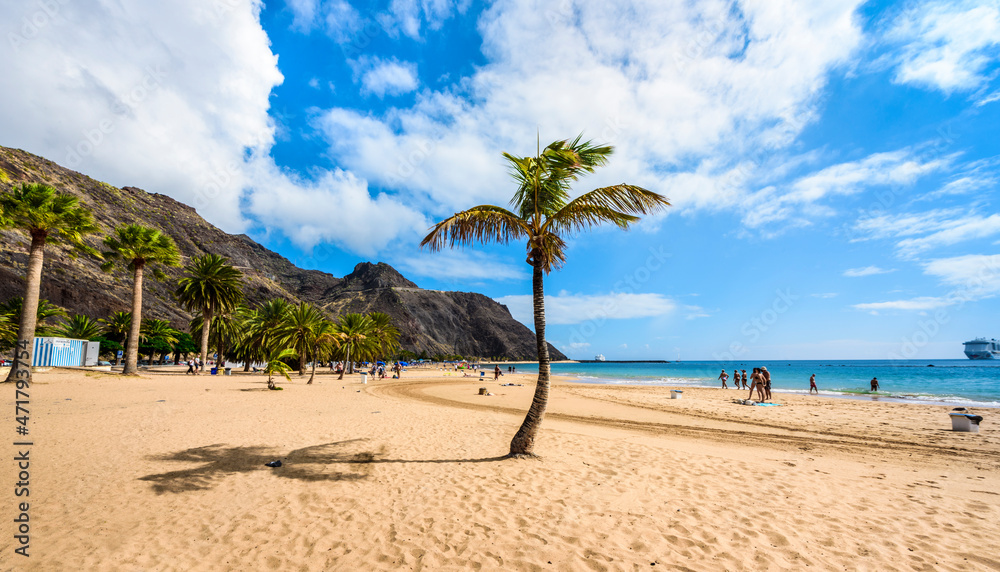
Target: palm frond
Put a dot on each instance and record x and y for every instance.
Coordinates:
(618, 204)
(485, 223)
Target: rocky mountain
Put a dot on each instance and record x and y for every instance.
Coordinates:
(433, 321)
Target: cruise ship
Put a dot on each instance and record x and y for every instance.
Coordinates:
(981, 348)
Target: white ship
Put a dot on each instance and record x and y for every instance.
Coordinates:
(981, 348)
(599, 357)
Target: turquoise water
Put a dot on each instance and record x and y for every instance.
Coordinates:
(959, 382)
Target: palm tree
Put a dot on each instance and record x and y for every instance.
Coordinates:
(228, 331)
(211, 286)
(542, 214)
(328, 341)
(46, 217)
(81, 327)
(355, 330)
(261, 327)
(138, 246)
(299, 331)
(117, 325)
(275, 365)
(385, 336)
(154, 331)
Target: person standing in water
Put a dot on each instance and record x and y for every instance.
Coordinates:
(812, 384)
(874, 384)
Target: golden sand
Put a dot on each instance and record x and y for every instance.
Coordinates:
(166, 472)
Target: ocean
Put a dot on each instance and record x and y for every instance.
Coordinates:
(950, 382)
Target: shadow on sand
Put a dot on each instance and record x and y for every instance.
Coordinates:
(306, 464)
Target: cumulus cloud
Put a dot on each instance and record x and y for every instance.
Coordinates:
(385, 77)
(470, 266)
(683, 90)
(168, 97)
(174, 98)
(566, 308)
(947, 45)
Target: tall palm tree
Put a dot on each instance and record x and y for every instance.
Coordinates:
(542, 213)
(138, 246)
(47, 217)
(81, 327)
(211, 285)
(299, 331)
(354, 330)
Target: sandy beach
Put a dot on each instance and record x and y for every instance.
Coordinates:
(167, 472)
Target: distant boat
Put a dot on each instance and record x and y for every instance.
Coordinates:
(981, 348)
(599, 357)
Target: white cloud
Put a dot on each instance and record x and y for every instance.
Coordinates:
(174, 98)
(971, 277)
(164, 96)
(866, 271)
(566, 308)
(465, 266)
(947, 45)
(407, 16)
(825, 295)
(921, 303)
(685, 92)
(798, 204)
(338, 19)
(574, 346)
(925, 231)
(995, 96)
(385, 77)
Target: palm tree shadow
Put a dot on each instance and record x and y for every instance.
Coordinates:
(306, 464)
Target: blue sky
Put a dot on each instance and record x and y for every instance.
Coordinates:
(832, 166)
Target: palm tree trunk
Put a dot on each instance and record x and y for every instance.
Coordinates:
(206, 323)
(313, 374)
(343, 370)
(523, 443)
(302, 363)
(21, 368)
(132, 350)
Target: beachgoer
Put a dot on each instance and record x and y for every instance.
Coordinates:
(736, 378)
(874, 384)
(753, 383)
(766, 376)
(812, 384)
(744, 378)
(190, 370)
(724, 376)
(496, 373)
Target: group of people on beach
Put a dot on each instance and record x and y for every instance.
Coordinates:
(760, 380)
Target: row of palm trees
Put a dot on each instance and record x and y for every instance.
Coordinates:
(211, 288)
